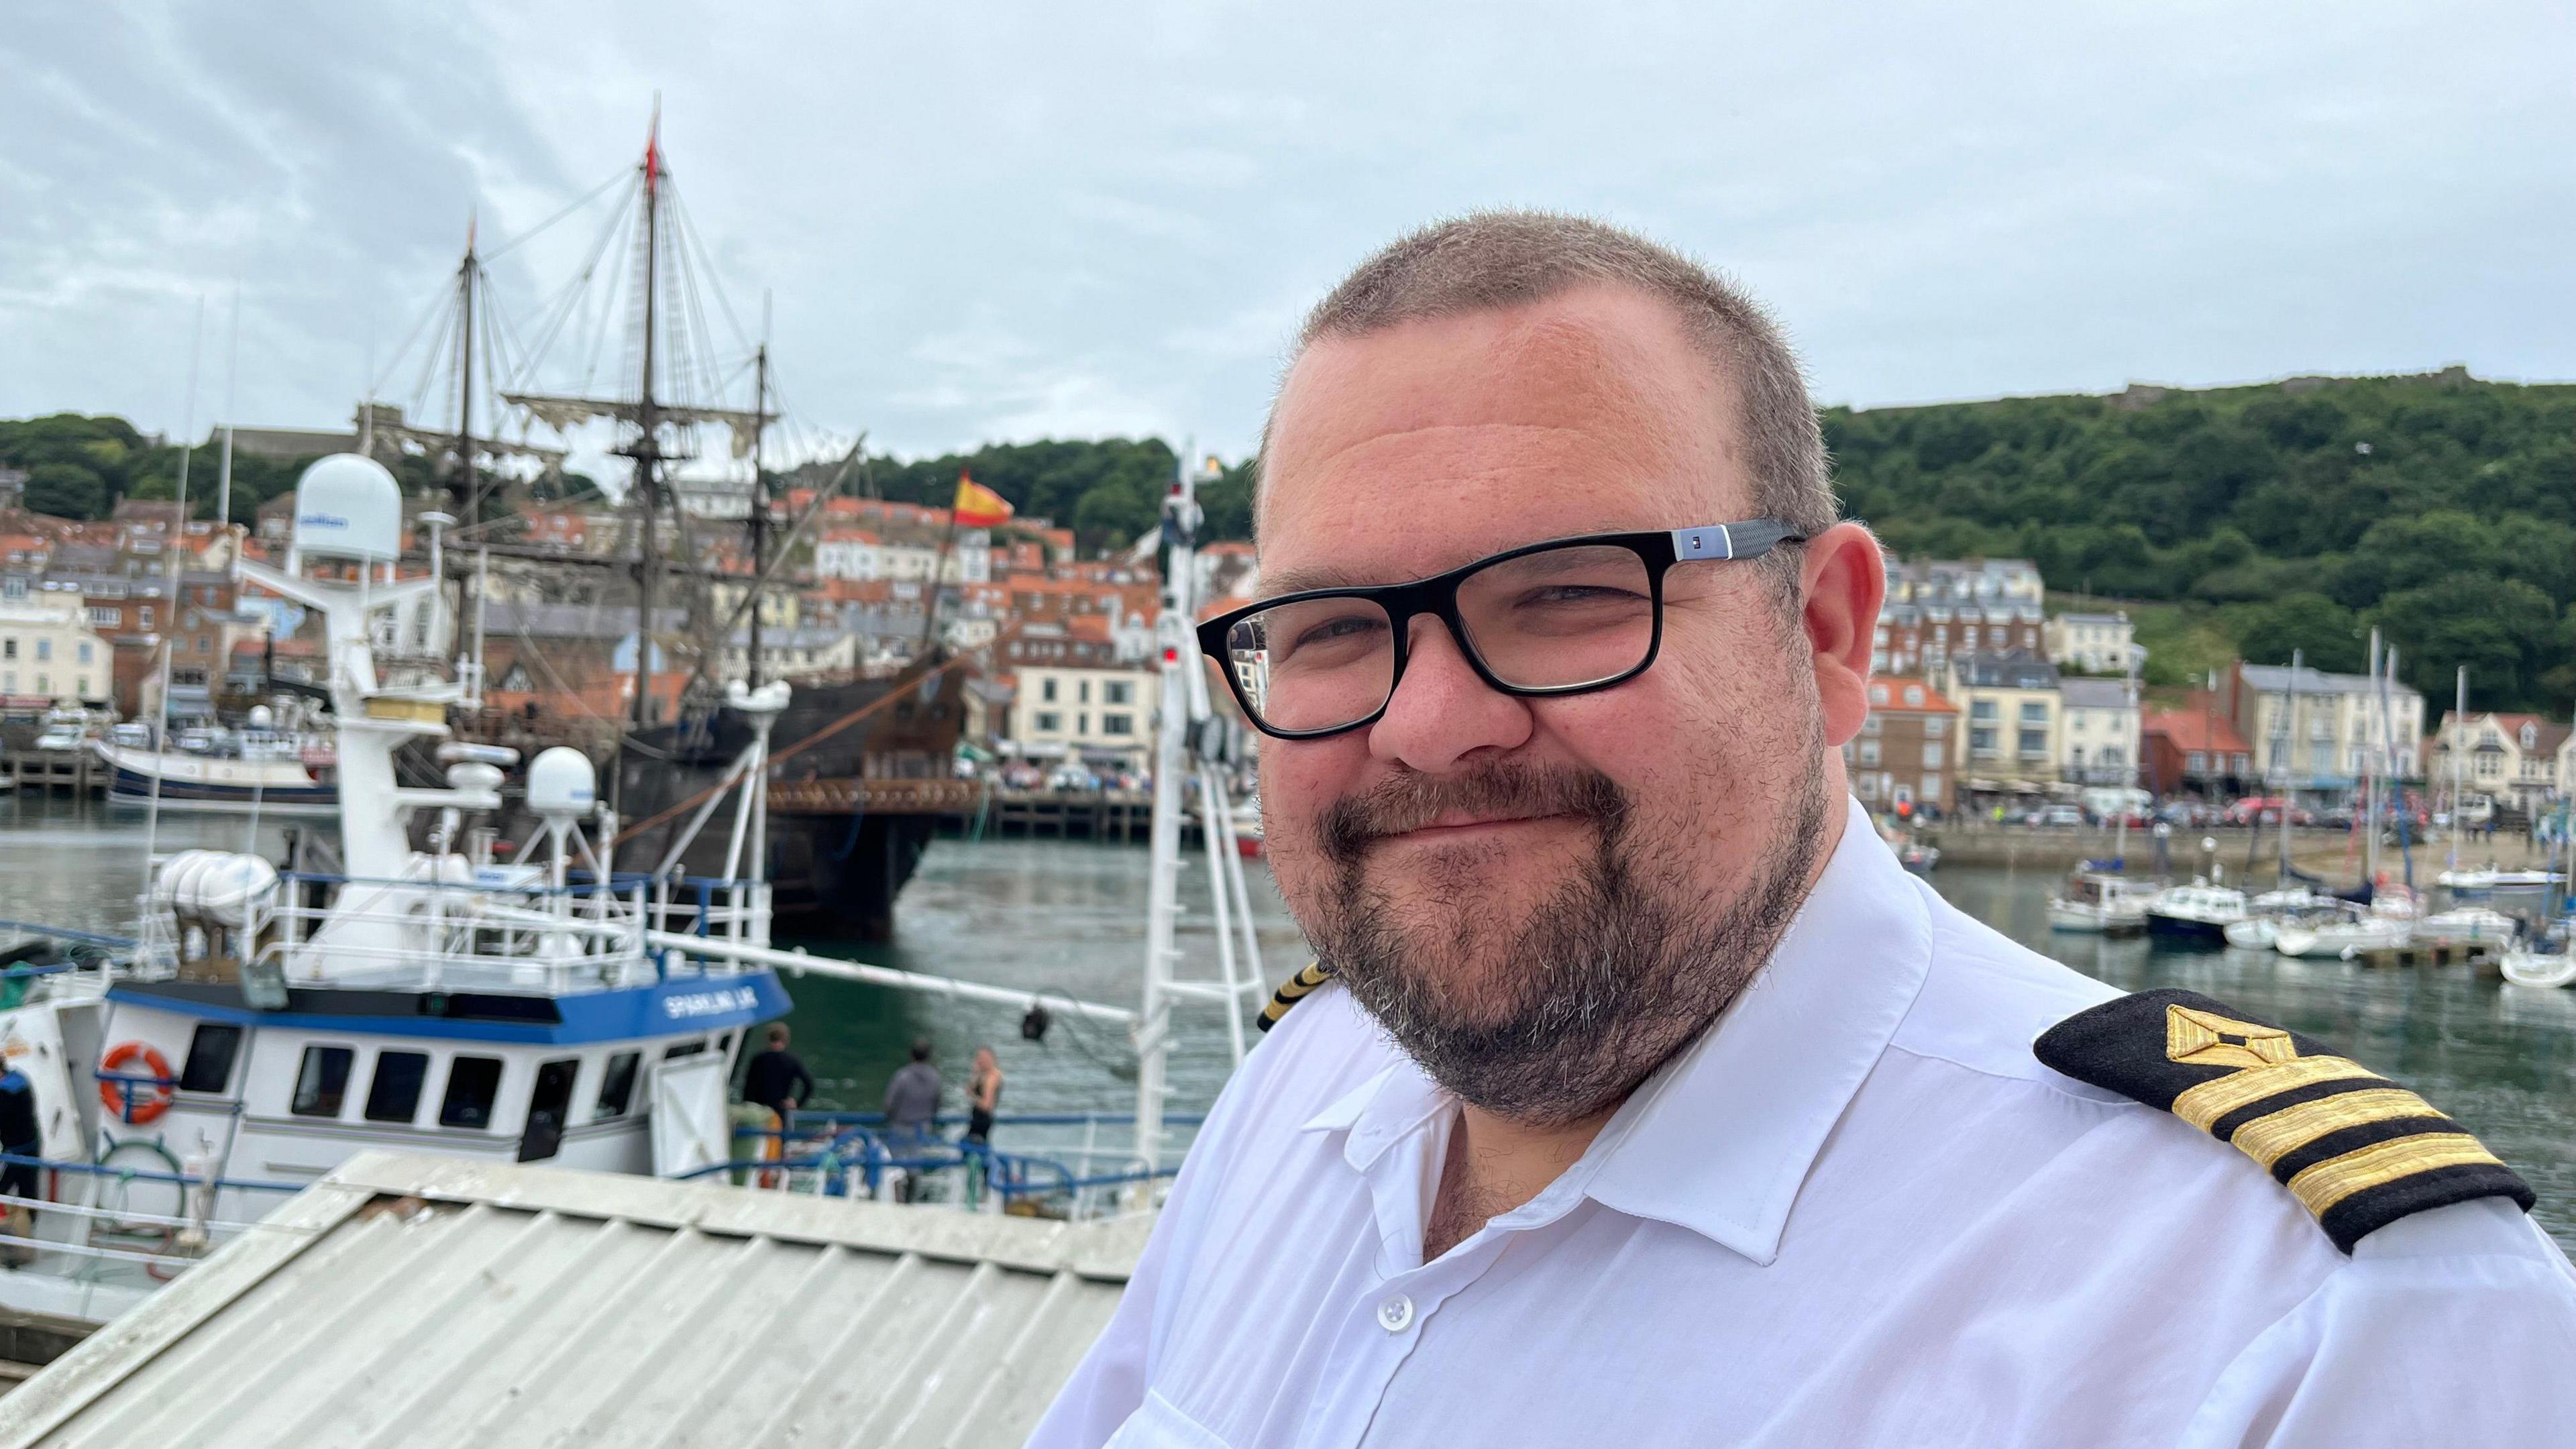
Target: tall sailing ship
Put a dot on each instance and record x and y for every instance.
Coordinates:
(860, 766)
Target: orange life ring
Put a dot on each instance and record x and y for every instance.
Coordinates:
(113, 1094)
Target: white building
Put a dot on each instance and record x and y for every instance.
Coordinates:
(2097, 732)
(1102, 716)
(47, 647)
(2094, 643)
(2333, 734)
(856, 553)
(2518, 759)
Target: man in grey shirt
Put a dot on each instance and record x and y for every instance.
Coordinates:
(912, 1098)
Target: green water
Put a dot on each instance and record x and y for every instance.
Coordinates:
(1069, 917)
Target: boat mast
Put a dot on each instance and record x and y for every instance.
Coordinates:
(2459, 721)
(759, 490)
(468, 507)
(646, 449)
(2289, 751)
(2370, 780)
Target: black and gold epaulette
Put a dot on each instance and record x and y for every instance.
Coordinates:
(2358, 1150)
(1292, 991)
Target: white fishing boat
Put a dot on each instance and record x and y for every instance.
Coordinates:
(2467, 926)
(2340, 933)
(2199, 913)
(269, 774)
(2101, 903)
(269, 1022)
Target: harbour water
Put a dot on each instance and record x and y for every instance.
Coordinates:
(1068, 917)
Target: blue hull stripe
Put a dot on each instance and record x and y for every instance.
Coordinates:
(139, 786)
(684, 1006)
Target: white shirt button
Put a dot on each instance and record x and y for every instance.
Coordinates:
(1395, 1313)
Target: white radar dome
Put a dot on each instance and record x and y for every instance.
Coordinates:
(561, 784)
(348, 506)
(261, 717)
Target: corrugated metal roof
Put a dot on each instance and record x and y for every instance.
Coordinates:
(424, 1301)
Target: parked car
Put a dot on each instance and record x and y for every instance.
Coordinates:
(2058, 817)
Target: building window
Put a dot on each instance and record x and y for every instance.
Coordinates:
(394, 1096)
(1869, 752)
(1082, 723)
(1877, 693)
(2196, 763)
(211, 1051)
(1932, 754)
(2111, 756)
(8, 648)
(1868, 787)
(104, 618)
(1082, 691)
(472, 1085)
(1048, 722)
(2034, 712)
(1983, 711)
(1982, 741)
(323, 1084)
(1913, 695)
(617, 1085)
(44, 650)
(1931, 789)
(84, 653)
(1046, 691)
(2075, 720)
(1935, 727)
(2034, 743)
(1117, 691)
(1118, 724)
(1869, 724)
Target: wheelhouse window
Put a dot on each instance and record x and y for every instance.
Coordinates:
(617, 1085)
(473, 1083)
(323, 1084)
(685, 1049)
(394, 1096)
(211, 1052)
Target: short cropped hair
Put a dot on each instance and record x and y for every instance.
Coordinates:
(1489, 260)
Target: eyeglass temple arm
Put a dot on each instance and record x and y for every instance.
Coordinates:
(1750, 539)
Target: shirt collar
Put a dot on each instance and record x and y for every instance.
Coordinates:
(1722, 1137)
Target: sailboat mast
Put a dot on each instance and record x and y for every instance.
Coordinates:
(2289, 749)
(2370, 775)
(647, 447)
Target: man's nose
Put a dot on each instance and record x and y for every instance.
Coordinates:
(1443, 712)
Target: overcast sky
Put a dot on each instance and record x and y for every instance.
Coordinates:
(1006, 221)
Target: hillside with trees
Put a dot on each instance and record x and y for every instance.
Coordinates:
(2289, 515)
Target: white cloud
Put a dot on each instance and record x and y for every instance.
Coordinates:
(1014, 218)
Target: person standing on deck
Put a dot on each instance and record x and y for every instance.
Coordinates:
(912, 1096)
(1637, 1094)
(983, 1095)
(777, 1079)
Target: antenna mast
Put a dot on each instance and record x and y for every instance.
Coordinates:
(468, 505)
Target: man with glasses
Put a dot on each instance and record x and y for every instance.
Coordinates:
(1637, 1095)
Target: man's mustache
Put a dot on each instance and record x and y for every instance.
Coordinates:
(1410, 801)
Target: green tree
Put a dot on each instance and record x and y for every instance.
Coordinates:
(2504, 630)
(66, 490)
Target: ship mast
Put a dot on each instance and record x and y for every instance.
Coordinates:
(759, 493)
(468, 505)
(646, 449)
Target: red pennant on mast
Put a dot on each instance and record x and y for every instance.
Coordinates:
(653, 146)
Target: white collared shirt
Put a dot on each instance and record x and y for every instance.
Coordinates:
(1856, 1212)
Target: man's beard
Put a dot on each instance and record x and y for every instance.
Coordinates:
(1614, 972)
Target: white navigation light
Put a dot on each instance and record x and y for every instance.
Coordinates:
(561, 785)
(347, 506)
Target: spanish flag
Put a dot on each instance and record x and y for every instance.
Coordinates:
(979, 506)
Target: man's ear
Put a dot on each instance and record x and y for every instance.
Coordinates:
(1843, 578)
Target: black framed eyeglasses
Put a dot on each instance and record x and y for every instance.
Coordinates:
(1567, 616)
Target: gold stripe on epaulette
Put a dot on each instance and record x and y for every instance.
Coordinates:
(2270, 1138)
(1291, 991)
(2203, 1105)
(2331, 1181)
